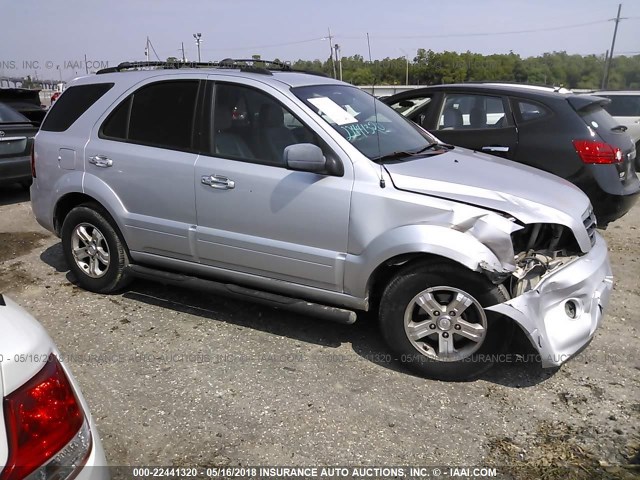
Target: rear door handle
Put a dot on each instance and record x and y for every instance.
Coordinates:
(219, 182)
(100, 161)
(495, 148)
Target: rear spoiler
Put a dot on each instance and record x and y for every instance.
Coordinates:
(582, 102)
(20, 95)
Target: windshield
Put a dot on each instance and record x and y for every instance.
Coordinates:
(376, 132)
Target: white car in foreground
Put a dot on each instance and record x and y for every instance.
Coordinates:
(46, 431)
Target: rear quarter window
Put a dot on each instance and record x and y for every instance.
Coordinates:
(72, 104)
(528, 110)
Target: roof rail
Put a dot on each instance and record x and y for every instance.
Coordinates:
(511, 82)
(246, 65)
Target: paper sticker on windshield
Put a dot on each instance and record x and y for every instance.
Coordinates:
(332, 110)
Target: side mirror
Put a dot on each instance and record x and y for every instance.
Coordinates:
(305, 157)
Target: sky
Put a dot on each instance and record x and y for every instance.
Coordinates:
(50, 38)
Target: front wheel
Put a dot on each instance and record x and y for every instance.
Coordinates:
(94, 250)
(432, 315)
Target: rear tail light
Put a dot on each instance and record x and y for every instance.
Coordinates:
(33, 159)
(46, 428)
(591, 151)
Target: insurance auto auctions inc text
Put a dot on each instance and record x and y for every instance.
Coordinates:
(357, 472)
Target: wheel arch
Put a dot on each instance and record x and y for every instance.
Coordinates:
(403, 245)
(70, 200)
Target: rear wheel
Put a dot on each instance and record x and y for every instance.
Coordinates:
(94, 250)
(432, 315)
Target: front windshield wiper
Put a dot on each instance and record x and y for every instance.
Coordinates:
(433, 145)
(405, 153)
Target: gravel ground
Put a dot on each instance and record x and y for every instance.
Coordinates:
(175, 378)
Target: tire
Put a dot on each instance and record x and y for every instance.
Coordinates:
(100, 264)
(429, 351)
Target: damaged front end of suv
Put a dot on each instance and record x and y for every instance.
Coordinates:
(548, 256)
(558, 292)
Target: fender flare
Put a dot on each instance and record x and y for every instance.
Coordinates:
(460, 247)
(99, 191)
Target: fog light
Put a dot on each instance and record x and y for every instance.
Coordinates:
(571, 309)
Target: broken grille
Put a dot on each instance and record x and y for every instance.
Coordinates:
(589, 221)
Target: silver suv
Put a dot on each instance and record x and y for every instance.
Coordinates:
(308, 193)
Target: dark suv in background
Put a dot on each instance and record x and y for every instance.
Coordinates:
(554, 130)
(26, 101)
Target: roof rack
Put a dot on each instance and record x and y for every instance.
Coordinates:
(264, 67)
(521, 84)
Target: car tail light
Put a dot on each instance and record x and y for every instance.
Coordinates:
(591, 151)
(33, 159)
(48, 434)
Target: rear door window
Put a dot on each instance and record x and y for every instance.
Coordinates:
(72, 104)
(471, 111)
(161, 114)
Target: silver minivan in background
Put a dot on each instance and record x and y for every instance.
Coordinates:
(307, 193)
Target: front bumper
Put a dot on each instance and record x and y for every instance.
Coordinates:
(588, 282)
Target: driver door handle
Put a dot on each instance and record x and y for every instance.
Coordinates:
(218, 181)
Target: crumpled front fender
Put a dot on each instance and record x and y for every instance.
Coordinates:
(460, 246)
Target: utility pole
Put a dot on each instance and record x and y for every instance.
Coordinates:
(407, 76)
(198, 37)
(331, 53)
(184, 59)
(406, 57)
(86, 67)
(605, 80)
(338, 58)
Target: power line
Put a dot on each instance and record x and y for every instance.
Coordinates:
(486, 34)
(297, 42)
(445, 35)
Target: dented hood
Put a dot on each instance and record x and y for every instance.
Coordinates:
(528, 194)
